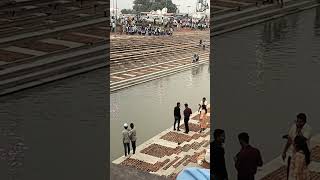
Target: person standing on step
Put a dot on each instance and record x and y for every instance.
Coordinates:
(300, 128)
(203, 118)
(300, 160)
(187, 112)
(177, 116)
(126, 139)
(218, 163)
(248, 159)
(133, 137)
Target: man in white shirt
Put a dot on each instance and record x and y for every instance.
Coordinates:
(126, 139)
(300, 128)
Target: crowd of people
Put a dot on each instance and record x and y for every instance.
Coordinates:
(136, 25)
(296, 154)
(203, 119)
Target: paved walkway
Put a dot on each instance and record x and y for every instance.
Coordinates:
(169, 152)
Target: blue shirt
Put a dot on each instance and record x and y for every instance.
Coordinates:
(194, 174)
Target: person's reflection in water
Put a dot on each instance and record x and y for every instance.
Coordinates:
(317, 22)
(12, 152)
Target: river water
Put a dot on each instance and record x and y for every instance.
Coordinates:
(262, 77)
(150, 105)
(56, 131)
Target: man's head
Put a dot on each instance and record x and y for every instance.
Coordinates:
(243, 138)
(131, 125)
(219, 135)
(186, 105)
(301, 120)
(178, 104)
(125, 125)
(204, 99)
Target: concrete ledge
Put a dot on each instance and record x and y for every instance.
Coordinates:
(157, 75)
(118, 172)
(246, 18)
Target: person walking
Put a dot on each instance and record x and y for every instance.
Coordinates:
(133, 137)
(203, 118)
(126, 139)
(177, 117)
(300, 160)
(300, 128)
(187, 112)
(248, 159)
(218, 165)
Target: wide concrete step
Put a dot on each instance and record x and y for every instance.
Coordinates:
(229, 3)
(157, 75)
(48, 72)
(250, 11)
(257, 17)
(50, 62)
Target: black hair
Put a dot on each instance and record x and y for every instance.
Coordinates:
(178, 103)
(131, 125)
(186, 104)
(244, 137)
(302, 116)
(300, 143)
(217, 133)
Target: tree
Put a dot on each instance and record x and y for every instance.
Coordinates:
(128, 11)
(148, 5)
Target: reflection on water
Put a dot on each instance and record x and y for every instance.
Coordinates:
(150, 105)
(317, 22)
(55, 131)
(264, 76)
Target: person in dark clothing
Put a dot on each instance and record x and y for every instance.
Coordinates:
(177, 117)
(218, 165)
(187, 112)
(133, 137)
(248, 159)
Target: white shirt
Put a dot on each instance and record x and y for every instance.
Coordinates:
(207, 156)
(205, 103)
(306, 132)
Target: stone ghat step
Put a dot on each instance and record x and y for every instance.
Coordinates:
(51, 71)
(58, 73)
(250, 20)
(142, 79)
(253, 10)
(34, 18)
(229, 3)
(281, 174)
(51, 62)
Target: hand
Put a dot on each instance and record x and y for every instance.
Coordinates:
(284, 155)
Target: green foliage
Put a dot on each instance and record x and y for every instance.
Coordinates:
(148, 5)
(128, 11)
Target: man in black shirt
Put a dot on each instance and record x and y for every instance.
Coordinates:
(187, 112)
(218, 165)
(177, 117)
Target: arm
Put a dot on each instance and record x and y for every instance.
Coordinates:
(237, 162)
(260, 162)
(288, 144)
